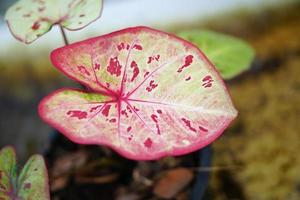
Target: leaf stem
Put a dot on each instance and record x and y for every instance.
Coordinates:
(64, 35)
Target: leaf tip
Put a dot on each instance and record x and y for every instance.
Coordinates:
(9, 148)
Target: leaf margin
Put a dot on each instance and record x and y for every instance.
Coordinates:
(202, 35)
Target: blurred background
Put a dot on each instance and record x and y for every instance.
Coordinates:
(259, 150)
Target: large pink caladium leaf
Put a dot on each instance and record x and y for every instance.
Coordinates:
(151, 94)
(29, 19)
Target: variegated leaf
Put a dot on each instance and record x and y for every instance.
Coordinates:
(8, 173)
(32, 182)
(29, 19)
(151, 94)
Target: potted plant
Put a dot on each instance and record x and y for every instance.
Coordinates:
(146, 94)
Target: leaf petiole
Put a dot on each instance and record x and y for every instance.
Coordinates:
(64, 35)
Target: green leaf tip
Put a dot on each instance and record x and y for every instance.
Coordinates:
(230, 55)
(8, 172)
(32, 182)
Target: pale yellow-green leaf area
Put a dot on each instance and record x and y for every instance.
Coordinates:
(30, 19)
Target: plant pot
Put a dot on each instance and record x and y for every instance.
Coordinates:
(202, 178)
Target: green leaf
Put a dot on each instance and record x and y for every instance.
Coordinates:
(8, 172)
(33, 181)
(230, 55)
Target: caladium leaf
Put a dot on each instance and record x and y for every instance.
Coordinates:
(230, 55)
(151, 94)
(8, 172)
(33, 180)
(29, 19)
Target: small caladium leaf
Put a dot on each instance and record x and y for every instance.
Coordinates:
(151, 94)
(230, 55)
(29, 19)
(8, 172)
(32, 182)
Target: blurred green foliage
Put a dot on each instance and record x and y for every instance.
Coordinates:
(230, 55)
(32, 182)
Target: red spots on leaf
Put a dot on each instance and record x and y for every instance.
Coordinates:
(83, 70)
(137, 47)
(155, 120)
(130, 137)
(201, 128)
(77, 113)
(188, 61)
(97, 66)
(188, 124)
(112, 120)
(159, 111)
(129, 109)
(27, 186)
(95, 108)
(122, 46)
(146, 74)
(105, 111)
(114, 67)
(129, 128)
(35, 26)
(107, 85)
(135, 69)
(124, 112)
(152, 58)
(207, 81)
(41, 9)
(188, 78)
(148, 143)
(27, 15)
(151, 86)
(136, 109)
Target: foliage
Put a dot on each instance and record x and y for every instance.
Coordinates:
(230, 55)
(30, 19)
(150, 95)
(32, 182)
